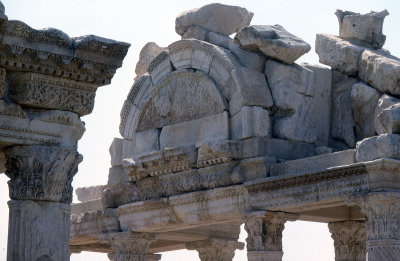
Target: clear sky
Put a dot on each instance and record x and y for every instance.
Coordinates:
(139, 22)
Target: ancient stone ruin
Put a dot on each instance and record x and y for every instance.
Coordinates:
(216, 131)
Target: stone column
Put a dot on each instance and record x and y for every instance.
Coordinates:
(215, 249)
(382, 222)
(349, 238)
(40, 192)
(129, 246)
(264, 229)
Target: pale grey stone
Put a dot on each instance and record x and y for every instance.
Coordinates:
(380, 71)
(384, 102)
(142, 142)
(313, 164)
(147, 54)
(253, 91)
(195, 132)
(116, 176)
(339, 54)
(116, 152)
(382, 146)
(364, 100)
(249, 59)
(221, 40)
(366, 28)
(322, 100)
(321, 150)
(251, 122)
(219, 151)
(195, 91)
(273, 41)
(91, 205)
(276, 148)
(90, 193)
(255, 168)
(195, 32)
(343, 124)
(180, 54)
(292, 88)
(389, 119)
(159, 67)
(224, 19)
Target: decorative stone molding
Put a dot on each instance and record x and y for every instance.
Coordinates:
(264, 234)
(382, 222)
(129, 246)
(44, 91)
(215, 249)
(41, 172)
(349, 238)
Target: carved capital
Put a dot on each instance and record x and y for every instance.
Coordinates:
(349, 239)
(128, 246)
(264, 229)
(41, 172)
(215, 249)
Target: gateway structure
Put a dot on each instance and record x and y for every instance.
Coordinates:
(220, 131)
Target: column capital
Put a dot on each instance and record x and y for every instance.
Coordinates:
(349, 239)
(129, 246)
(41, 172)
(215, 249)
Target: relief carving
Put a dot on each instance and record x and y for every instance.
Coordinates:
(215, 249)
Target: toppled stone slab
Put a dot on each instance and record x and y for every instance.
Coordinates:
(90, 193)
(380, 71)
(383, 146)
(224, 19)
(339, 54)
(273, 41)
(292, 88)
(313, 164)
(389, 119)
(366, 28)
(384, 102)
(342, 115)
(147, 54)
(195, 32)
(364, 100)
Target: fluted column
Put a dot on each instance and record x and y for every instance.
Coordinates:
(129, 246)
(40, 192)
(215, 249)
(349, 239)
(264, 230)
(382, 222)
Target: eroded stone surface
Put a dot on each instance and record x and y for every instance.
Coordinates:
(382, 146)
(90, 193)
(273, 41)
(147, 54)
(224, 19)
(366, 28)
(384, 102)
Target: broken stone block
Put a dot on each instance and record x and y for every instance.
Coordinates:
(221, 40)
(383, 103)
(322, 100)
(389, 119)
(343, 124)
(147, 54)
(366, 28)
(116, 176)
(224, 19)
(159, 67)
(337, 53)
(90, 193)
(195, 32)
(273, 41)
(255, 168)
(216, 152)
(380, 71)
(248, 59)
(195, 132)
(292, 88)
(142, 142)
(116, 152)
(251, 122)
(364, 100)
(377, 147)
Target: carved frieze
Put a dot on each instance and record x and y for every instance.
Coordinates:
(43, 91)
(217, 152)
(41, 172)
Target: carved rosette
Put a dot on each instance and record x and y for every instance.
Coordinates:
(41, 172)
(264, 234)
(215, 249)
(349, 239)
(382, 222)
(129, 246)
